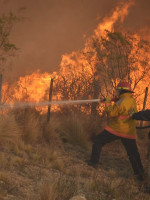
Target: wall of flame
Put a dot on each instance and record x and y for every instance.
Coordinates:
(74, 66)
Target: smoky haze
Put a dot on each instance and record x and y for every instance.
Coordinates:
(57, 27)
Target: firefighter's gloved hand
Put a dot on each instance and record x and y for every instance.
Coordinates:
(107, 99)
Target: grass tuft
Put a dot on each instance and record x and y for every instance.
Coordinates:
(74, 132)
(3, 161)
(62, 189)
(30, 122)
(9, 130)
(32, 129)
(51, 130)
(47, 192)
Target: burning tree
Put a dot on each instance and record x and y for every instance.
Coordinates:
(95, 71)
(107, 58)
(74, 79)
(121, 56)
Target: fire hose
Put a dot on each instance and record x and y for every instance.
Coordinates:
(49, 103)
(45, 103)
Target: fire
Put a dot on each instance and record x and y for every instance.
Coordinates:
(119, 13)
(32, 87)
(79, 78)
(141, 69)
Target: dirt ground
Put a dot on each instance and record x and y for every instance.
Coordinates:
(26, 180)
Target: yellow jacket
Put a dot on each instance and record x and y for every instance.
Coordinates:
(121, 123)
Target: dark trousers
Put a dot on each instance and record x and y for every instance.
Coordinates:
(129, 145)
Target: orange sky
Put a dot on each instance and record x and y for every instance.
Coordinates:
(56, 27)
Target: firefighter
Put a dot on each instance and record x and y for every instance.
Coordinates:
(121, 127)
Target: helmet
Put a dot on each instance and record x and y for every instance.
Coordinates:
(123, 85)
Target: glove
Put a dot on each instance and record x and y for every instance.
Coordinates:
(107, 99)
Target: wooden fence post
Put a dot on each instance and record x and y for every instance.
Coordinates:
(148, 153)
(50, 98)
(1, 79)
(144, 103)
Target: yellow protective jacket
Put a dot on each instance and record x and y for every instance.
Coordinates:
(121, 124)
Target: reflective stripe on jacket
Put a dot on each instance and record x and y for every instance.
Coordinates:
(121, 124)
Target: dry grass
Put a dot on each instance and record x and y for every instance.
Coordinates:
(32, 129)
(10, 131)
(51, 130)
(20, 163)
(74, 132)
(35, 127)
(3, 176)
(93, 126)
(3, 161)
(30, 122)
(62, 189)
(21, 148)
(41, 155)
(47, 192)
(100, 187)
(96, 187)
(28, 146)
(4, 183)
(1, 197)
(43, 151)
(58, 164)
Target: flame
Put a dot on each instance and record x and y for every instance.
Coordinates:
(140, 71)
(32, 87)
(78, 70)
(119, 13)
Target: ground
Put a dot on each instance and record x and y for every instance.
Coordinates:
(70, 175)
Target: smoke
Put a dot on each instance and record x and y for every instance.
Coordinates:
(57, 27)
